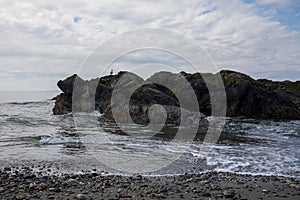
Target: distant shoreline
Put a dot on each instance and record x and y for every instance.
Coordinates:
(29, 91)
(26, 96)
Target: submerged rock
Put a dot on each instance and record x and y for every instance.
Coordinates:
(246, 97)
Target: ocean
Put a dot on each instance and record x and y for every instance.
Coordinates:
(31, 135)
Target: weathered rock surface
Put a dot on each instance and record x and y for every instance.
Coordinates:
(246, 97)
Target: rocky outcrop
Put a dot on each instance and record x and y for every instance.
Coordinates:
(246, 97)
(255, 99)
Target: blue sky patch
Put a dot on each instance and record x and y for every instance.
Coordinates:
(76, 19)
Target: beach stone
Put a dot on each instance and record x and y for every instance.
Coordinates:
(57, 189)
(265, 191)
(32, 186)
(20, 197)
(160, 196)
(80, 197)
(45, 177)
(189, 180)
(12, 185)
(206, 194)
(1, 189)
(204, 177)
(72, 180)
(229, 193)
(7, 169)
(204, 182)
(42, 186)
(295, 186)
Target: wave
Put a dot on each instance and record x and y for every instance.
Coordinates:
(28, 103)
(59, 140)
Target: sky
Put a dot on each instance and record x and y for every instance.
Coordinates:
(44, 41)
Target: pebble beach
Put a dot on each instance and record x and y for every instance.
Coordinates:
(25, 183)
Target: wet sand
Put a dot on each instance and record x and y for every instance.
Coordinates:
(26, 184)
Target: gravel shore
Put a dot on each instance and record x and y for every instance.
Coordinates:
(26, 184)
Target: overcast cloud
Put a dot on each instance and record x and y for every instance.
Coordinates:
(44, 41)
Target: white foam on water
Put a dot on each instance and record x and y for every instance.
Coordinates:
(58, 140)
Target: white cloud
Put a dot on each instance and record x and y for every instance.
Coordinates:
(44, 37)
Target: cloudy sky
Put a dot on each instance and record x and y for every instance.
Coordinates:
(44, 41)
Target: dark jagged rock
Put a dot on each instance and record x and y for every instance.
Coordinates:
(66, 85)
(255, 99)
(285, 88)
(246, 97)
(63, 104)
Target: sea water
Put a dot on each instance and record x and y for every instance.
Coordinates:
(31, 134)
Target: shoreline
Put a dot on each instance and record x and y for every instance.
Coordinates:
(25, 184)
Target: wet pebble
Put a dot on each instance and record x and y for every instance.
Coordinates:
(229, 193)
(206, 194)
(204, 177)
(80, 197)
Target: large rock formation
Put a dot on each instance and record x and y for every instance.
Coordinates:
(246, 97)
